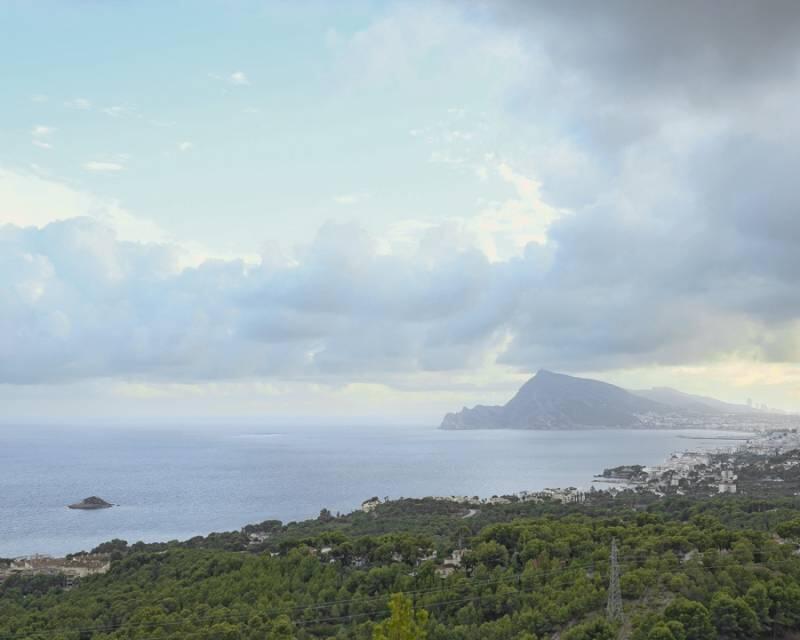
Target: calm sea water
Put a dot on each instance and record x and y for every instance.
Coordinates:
(173, 484)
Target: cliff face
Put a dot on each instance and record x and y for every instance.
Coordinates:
(556, 401)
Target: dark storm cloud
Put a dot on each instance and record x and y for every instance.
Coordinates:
(706, 50)
(689, 249)
(615, 72)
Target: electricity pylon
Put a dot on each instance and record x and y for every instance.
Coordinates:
(614, 607)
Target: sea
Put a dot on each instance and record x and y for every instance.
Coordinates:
(178, 482)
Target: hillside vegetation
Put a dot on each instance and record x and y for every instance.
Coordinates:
(690, 570)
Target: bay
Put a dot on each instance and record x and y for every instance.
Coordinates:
(175, 483)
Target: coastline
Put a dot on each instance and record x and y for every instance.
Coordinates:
(518, 444)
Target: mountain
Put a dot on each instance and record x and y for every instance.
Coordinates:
(557, 401)
(696, 404)
(700, 404)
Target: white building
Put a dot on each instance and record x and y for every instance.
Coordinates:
(369, 505)
(727, 482)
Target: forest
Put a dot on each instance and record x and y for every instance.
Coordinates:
(690, 569)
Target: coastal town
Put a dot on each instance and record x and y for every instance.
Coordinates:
(563, 495)
(763, 464)
(68, 571)
(766, 463)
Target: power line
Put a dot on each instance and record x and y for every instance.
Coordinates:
(322, 605)
(286, 610)
(614, 606)
(353, 616)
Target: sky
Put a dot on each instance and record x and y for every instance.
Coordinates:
(383, 211)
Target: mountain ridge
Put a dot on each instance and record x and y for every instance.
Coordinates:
(552, 400)
(701, 404)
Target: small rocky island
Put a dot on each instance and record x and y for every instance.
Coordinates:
(92, 502)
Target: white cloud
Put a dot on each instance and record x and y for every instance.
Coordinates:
(185, 145)
(466, 297)
(99, 166)
(239, 78)
(503, 229)
(32, 200)
(37, 200)
(392, 48)
(325, 316)
(343, 311)
(459, 136)
(42, 131)
(116, 111)
(79, 103)
(236, 78)
(350, 198)
(447, 158)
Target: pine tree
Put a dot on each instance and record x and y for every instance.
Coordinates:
(403, 624)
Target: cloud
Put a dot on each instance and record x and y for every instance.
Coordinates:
(639, 49)
(185, 145)
(236, 78)
(504, 229)
(115, 111)
(650, 225)
(99, 166)
(350, 198)
(36, 200)
(391, 48)
(640, 65)
(239, 78)
(672, 138)
(42, 131)
(99, 307)
(79, 103)
(28, 200)
(85, 304)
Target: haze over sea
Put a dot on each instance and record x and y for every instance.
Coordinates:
(178, 483)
